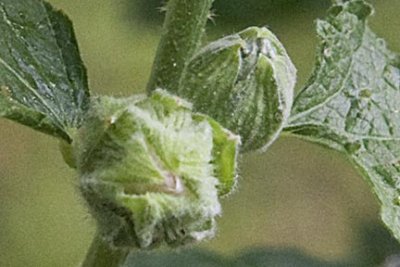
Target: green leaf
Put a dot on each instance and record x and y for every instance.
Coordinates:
(352, 102)
(42, 77)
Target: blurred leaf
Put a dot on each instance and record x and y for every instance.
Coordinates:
(252, 258)
(42, 78)
(352, 102)
(393, 261)
(192, 258)
(374, 244)
(282, 258)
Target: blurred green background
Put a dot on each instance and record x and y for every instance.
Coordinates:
(296, 195)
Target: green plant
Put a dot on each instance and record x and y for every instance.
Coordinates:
(152, 167)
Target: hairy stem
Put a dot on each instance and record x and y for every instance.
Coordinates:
(101, 254)
(182, 32)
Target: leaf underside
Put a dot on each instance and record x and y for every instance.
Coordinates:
(352, 102)
(43, 81)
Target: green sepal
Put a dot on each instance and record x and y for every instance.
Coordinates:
(225, 146)
(245, 82)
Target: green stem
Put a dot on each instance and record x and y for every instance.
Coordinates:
(183, 29)
(101, 254)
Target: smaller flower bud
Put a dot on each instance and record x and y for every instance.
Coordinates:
(245, 82)
(151, 170)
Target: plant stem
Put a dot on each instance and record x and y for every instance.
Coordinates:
(101, 254)
(182, 32)
(181, 37)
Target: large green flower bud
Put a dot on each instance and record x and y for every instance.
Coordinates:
(245, 82)
(152, 170)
